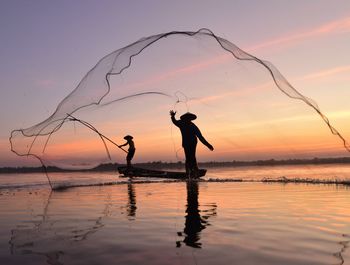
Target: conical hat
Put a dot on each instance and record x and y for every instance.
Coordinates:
(128, 137)
(188, 116)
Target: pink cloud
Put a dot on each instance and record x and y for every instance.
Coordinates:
(333, 27)
(183, 70)
(328, 72)
(269, 85)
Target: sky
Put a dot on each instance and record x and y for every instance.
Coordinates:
(47, 47)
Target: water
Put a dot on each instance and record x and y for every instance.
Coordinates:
(316, 172)
(180, 222)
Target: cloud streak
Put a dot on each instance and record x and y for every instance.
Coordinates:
(327, 72)
(268, 86)
(333, 27)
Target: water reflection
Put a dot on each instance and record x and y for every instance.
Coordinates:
(344, 245)
(131, 205)
(85, 225)
(195, 222)
(49, 234)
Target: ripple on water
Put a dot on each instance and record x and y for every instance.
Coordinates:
(177, 223)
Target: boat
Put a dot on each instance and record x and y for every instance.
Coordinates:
(150, 173)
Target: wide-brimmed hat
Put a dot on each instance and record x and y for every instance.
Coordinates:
(126, 137)
(188, 116)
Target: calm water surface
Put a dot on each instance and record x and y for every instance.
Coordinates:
(179, 223)
(319, 172)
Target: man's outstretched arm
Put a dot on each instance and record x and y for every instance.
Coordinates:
(202, 139)
(123, 144)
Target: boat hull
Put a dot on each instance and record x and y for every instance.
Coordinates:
(142, 172)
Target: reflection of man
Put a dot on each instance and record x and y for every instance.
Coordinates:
(190, 133)
(194, 223)
(131, 206)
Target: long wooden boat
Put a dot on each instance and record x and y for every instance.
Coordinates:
(142, 172)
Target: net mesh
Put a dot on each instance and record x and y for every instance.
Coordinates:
(236, 96)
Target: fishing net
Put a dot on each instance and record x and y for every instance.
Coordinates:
(246, 109)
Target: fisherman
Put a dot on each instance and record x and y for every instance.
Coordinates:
(190, 133)
(131, 150)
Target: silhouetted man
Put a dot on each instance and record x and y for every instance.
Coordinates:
(131, 150)
(190, 133)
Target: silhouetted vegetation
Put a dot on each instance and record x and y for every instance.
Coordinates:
(181, 165)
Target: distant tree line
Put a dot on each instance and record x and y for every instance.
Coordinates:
(177, 165)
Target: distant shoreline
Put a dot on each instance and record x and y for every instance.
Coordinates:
(167, 165)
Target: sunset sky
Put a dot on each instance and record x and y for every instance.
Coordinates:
(47, 47)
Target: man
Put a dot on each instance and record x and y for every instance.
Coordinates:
(190, 133)
(131, 150)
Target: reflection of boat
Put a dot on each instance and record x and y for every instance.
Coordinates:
(142, 172)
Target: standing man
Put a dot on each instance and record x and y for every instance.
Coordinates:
(131, 150)
(190, 133)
